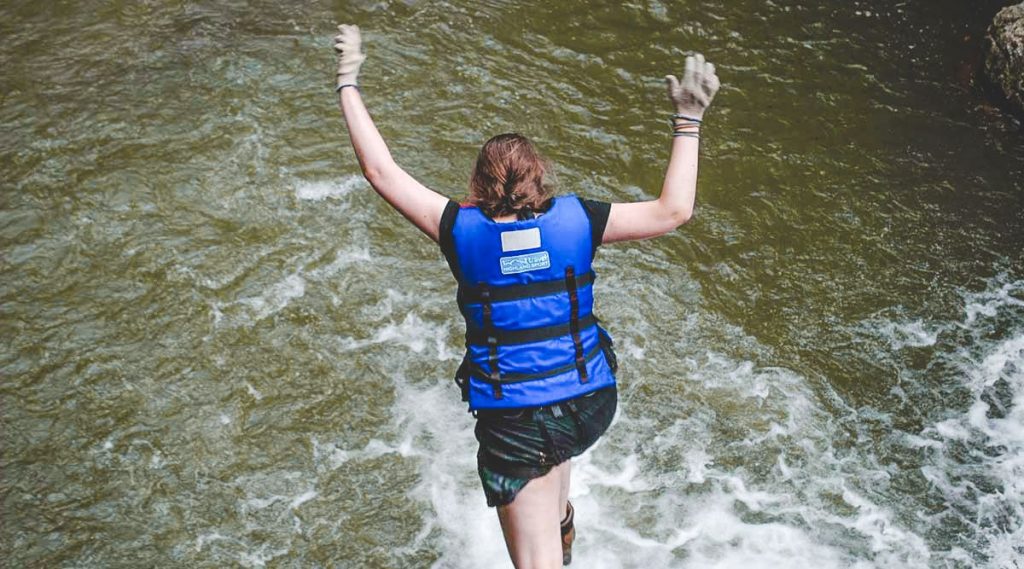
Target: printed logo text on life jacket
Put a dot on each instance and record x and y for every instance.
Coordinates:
(524, 263)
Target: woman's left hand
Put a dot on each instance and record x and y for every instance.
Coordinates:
(699, 85)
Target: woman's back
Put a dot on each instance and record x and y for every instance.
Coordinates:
(526, 292)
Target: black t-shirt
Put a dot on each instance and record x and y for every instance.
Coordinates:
(598, 212)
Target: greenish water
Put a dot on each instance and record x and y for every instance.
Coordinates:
(222, 349)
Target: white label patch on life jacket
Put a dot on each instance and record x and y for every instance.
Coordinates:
(520, 240)
(524, 263)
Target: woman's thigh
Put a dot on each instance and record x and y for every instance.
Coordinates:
(530, 522)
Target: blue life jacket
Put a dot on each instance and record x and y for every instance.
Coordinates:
(526, 292)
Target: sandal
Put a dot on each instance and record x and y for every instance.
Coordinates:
(568, 534)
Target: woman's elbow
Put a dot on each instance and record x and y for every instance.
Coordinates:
(680, 216)
(373, 175)
(381, 173)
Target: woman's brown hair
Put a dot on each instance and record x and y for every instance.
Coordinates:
(509, 178)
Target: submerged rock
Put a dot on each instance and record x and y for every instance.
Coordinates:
(1004, 54)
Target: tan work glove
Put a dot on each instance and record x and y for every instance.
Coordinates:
(699, 86)
(348, 46)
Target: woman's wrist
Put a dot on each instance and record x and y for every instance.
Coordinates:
(688, 114)
(685, 125)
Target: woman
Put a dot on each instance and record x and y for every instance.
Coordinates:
(539, 371)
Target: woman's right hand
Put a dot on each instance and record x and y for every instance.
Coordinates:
(699, 85)
(348, 46)
(419, 204)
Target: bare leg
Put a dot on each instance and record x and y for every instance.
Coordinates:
(563, 493)
(568, 532)
(530, 522)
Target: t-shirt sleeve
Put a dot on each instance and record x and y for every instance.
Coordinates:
(597, 212)
(446, 237)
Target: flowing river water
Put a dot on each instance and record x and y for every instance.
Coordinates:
(222, 349)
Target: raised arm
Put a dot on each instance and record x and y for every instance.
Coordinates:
(419, 204)
(674, 207)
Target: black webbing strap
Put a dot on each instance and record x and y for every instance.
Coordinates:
(471, 294)
(507, 378)
(492, 342)
(462, 376)
(479, 336)
(574, 322)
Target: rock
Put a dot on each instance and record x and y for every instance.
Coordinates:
(1004, 54)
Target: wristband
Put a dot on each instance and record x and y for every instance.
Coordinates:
(340, 87)
(684, 117)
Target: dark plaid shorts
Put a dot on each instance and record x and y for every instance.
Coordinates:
(517, 445)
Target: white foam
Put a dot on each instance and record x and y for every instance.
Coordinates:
(343, 260)
(260, 556)
(437, 424)
(276, 298)
(321, 190)
(702, 531)
(695, 530)
(302, 499)
(157, 461)
(226, 273)
(886, 536)
(251, 309)
(976, 453)
(697, 507)
(626, 477)
(913, 334)
(413, 332)
(747, 478)
(205, 538)
(246, 555)
(697, 463)
(260, 503)
(333, 456)
(999, 296)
